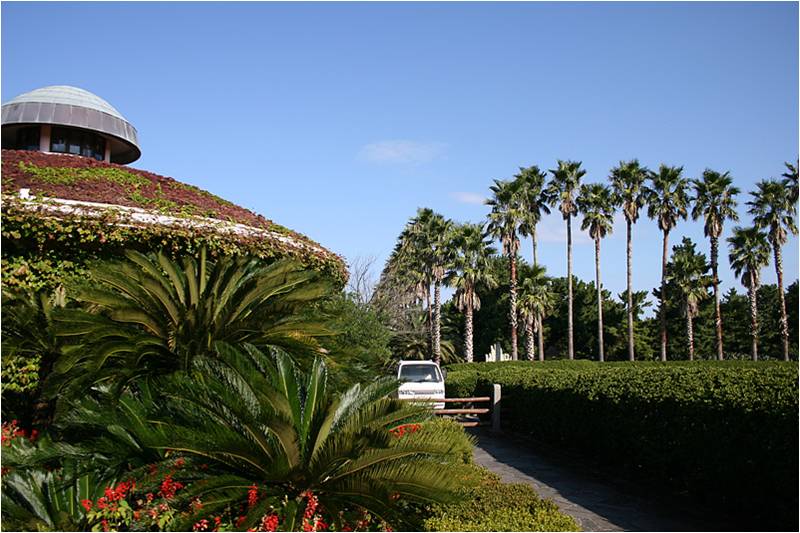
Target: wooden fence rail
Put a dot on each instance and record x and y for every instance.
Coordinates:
(493, 401)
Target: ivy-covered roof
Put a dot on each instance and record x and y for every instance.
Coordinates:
(79, 188)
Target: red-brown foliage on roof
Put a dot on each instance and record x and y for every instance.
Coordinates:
(80, 178)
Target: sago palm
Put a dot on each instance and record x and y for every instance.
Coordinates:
(535, 202)
(597, 203)
(471, 267)
(536, 301)
(687, 272)
(749, 253)
(628, 180)
(715, 202)
(667, 202)
(150, 314)
(772, 210)
(562, 192)
(254, 421)
(504, 221)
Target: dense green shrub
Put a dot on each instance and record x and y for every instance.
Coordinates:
(725, 432)
(496, 506)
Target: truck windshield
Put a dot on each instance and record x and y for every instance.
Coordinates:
(420, 374)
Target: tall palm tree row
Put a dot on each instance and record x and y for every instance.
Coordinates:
(562, 191)
(470, 267)
(628, 180)
(518, 205)
(667, 202)
(504, 221)
(535, 202)
(772, 209)
(597, 204)
(688, 274)
(749, 253)
(715, 202)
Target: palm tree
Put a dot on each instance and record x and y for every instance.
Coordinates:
(415, 259)
(471, 267)
(410, 339)
(667, 202)
(688, 274)
(438, 234)
(715, 201)
(504, 221)
(534, 199)
(791, 181)
(253, 420)
(597, 204)
(535, 302)
(562, 191)
(628, 180)
(749, 253)
(772, 209)
(150, 314)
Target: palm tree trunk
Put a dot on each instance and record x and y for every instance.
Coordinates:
(690, 335)
(530, 339)
(468, 330)
(570, 347)
(513, 308)
(539, 332)
(754, 315)
(631, 355)
(663, 297)
(601, 355)
(717, 310)
(784, 322)
(430, 315)
(437, 320)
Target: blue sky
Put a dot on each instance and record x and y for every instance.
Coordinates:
(339, 120)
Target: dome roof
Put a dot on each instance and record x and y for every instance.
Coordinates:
(62, 105)
(68, 95)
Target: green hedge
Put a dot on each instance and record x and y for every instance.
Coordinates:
(724, 432)
(496, 506)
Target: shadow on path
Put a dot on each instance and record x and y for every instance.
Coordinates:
(594, 501)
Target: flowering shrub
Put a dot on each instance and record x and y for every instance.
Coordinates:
(12, 431)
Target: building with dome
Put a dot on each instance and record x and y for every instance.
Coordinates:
(68, 198)
(69, 120)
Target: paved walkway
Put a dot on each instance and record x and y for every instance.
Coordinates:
(594, 501)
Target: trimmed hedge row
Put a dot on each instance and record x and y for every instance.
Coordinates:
(724, 432)
(496, 506)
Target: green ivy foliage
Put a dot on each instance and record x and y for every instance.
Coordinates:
(20, 373)
(724, 432)
(40, 251)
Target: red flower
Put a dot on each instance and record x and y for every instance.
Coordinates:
(202, 525)
(270, 523)
(87, 504)
(180, 462)
(104, 523)
(150, 497)
(252, 495)
(101, 503)
(169, 487)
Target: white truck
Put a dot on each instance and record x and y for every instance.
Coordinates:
(422, 380)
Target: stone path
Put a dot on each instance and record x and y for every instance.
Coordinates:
(594, 501)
